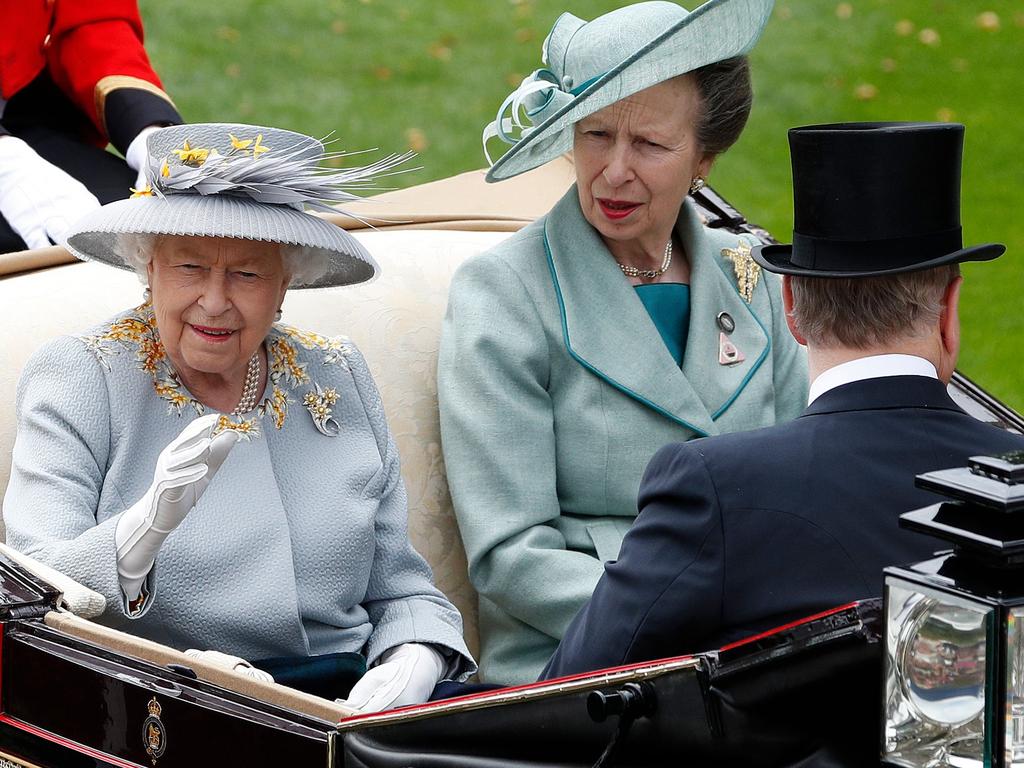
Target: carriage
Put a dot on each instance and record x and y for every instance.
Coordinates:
(75, 693)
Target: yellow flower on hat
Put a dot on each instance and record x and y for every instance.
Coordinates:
(146, 191)
(165, 170)
(237, 143)
(257, 148)
(249, 145)
(192, 156)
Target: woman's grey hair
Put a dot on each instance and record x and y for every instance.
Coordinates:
(726, 97)
(136, 251)
(304, 265)
(868, 312)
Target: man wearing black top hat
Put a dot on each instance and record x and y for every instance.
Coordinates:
(741, 533)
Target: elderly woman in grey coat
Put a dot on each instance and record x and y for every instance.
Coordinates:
(225, 480)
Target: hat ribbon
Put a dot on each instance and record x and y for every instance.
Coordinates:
(824, 253)
(540, 81)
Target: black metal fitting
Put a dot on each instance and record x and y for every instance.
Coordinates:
(632, 701)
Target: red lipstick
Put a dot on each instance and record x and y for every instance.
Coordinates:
(616, 209)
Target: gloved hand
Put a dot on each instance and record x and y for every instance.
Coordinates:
(233, 663)
(405, 675)
(38, 199)
(183, 471)
(136, 156)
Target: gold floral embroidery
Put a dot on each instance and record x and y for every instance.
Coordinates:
(284, 366)
(137, 331)
(170, 391)
(284, 362)
(246, 429)
(150, 355)
(336, 349)
(276, 405)
(129, 328)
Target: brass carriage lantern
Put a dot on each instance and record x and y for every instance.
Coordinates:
(954, 655)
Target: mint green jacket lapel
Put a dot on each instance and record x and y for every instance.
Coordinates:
(607, 329)
(713, 291)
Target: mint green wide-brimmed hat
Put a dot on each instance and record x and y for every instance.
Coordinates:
(591, 64)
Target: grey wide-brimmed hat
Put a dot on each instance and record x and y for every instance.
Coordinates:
(592, 64)
(242, 181)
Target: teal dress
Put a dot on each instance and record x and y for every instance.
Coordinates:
(668, 304)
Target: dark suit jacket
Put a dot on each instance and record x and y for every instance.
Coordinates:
(744, 532)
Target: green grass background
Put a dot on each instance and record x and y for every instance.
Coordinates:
(430, 73)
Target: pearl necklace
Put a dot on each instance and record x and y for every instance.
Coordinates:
(649, 274)
(252, 380)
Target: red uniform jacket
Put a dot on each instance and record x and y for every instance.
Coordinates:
(92, 49)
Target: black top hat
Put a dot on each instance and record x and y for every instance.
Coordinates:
(874, 199)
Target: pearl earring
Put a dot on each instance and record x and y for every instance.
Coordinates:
(147, 295)
(277, 316)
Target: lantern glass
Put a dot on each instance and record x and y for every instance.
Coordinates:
(936, 677)
(1015, 688)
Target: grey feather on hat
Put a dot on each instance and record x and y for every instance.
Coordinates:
(242, 181)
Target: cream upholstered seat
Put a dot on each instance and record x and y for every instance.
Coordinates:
(395, 320)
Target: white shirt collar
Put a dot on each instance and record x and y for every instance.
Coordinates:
(872, 367)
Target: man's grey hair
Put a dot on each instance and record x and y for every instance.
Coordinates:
(866, 312)
(305, 265)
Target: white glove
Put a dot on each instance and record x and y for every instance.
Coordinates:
(136, 156)
(233, 663)
(405, 675)
(183, 471)
(38, 199)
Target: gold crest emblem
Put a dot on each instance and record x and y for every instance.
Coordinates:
(748, 271)
(154, 735)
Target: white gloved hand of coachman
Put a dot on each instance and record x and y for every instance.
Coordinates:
(183, 471)
(38, 199)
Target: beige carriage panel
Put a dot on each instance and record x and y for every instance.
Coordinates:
(161, 655)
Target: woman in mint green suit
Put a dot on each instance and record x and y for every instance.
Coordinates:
(613, 325)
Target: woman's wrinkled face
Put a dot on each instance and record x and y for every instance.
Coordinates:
(635, 160)
(214, 299)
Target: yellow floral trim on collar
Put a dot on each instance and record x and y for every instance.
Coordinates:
(246, 429)
(284, 365)
(137, 332)
(335, 348)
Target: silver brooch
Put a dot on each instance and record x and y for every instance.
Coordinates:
(318, 403)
